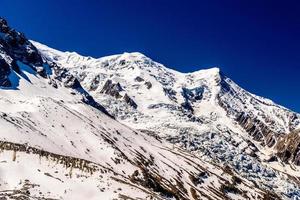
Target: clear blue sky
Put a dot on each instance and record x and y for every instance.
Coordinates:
(255, 43)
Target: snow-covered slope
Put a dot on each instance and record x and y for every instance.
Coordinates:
(57, 142)
(204, 112)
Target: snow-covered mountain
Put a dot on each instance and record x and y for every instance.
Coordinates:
(126, 127)
(204, 112)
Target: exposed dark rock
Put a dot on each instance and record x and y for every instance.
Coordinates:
(69, 81)
(3, 21)
(294, 120)
(268, 195)
(230, 188)
(4, 72)
(272, 159)
(129, 101)
(95, 83)
(190, 96)
(112, 89)
(88, 99)
(164, 105)
(122, 62)
(236, 180)
(53, 83)
(198, 179)
(148, 84)
(257, 129)
(151, 133)
(156, 182)
(41, 71)
(139, 79)
(65, 77)
(187, 106)
(169, 92)
(14, 66)
(193, 95)
(288, 147)
(18, 47)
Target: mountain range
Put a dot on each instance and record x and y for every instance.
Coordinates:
(127, 127)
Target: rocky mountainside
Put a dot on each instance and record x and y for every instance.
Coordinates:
(203, 112)
(182, 136)
(57, 142)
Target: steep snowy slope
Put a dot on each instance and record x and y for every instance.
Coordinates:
(80, 151)
(57, 142)
(204, 112)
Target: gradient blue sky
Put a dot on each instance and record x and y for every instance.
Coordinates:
(255, 43)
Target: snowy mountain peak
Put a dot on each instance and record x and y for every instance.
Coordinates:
(119, 60)
(133, 55)
(214, 71)
(151, 85)
(183, 136)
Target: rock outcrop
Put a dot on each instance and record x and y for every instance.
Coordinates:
(129, 101)
(257, 129)
(139, 79)
(112, 89)
(288, 147)
(148, 84)
(63, 75)
(14, 47)
(4, 72)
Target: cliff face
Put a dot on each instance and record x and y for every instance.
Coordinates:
(257, 130)
(288, 147)
(261, 122)
(14, 47)
(4, 72)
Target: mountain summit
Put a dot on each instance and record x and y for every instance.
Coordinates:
(127, 127)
